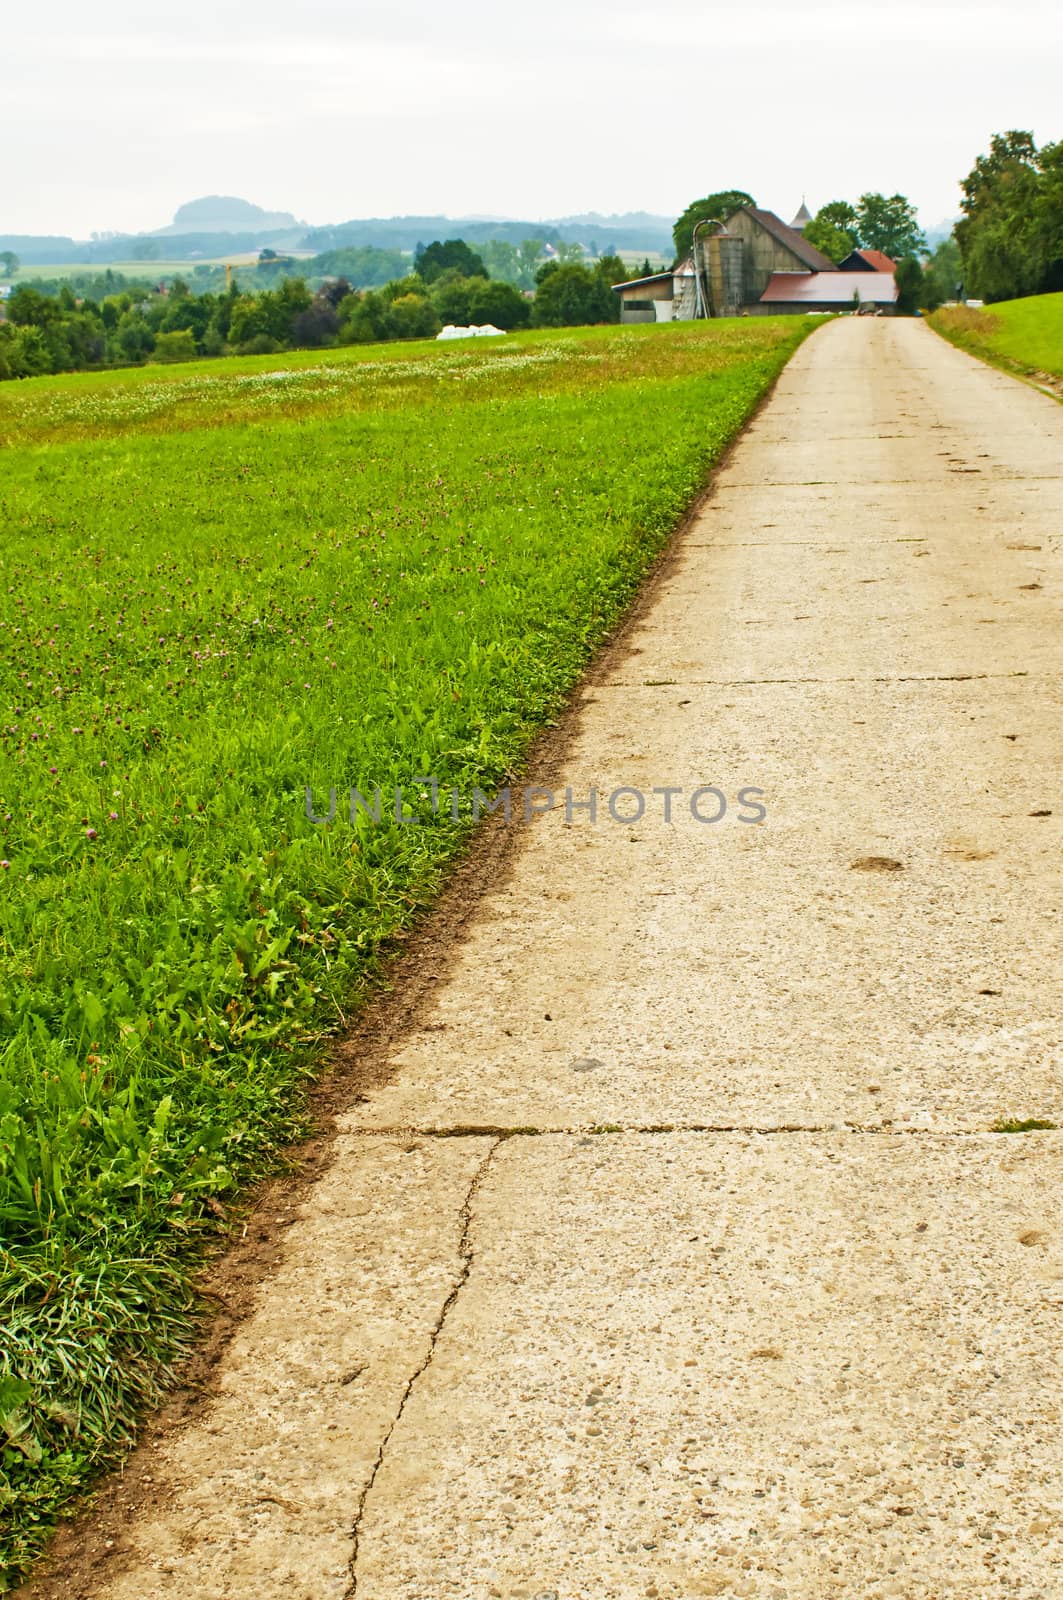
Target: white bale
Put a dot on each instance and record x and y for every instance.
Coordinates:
(486, 331)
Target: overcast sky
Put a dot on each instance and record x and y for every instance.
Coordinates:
(112, 114)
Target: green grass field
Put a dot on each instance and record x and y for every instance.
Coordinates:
(128, 269)
(1023, 336)
(219, 584)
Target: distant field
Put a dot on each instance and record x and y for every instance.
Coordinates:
(1024, 336)
(175, 269)
(128, 269)
(221, 583)
(635, 258)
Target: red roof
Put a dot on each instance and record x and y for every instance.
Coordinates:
(867, 261)
(880, 262)
(834, 288)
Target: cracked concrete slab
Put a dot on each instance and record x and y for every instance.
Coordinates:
(661, 1359)
(259, 1495)
(708, 1365)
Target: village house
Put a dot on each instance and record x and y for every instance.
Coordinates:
(756, 264)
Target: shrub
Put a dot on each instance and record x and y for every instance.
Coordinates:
(176, 346)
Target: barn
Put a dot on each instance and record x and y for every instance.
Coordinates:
(757, 264)
(770, 245)
(735, 264)
(654, 298)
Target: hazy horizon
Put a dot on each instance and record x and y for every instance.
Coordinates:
(337, 112)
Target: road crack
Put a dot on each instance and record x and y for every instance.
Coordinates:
(501, 1133)
(466, 1257)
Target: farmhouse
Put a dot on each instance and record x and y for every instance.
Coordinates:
(757, 264)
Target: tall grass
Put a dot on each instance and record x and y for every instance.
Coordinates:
(218, 587)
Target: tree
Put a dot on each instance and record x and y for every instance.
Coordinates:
(453, 254)
(319, 323)
(909, 279)
(10, 263)
(573, 296)
(889, 225)
(411, 316)
(176, 346)
(834, 242)
(1011, 232)
(837, 214)
(134, 340)
(364, 265)
(942, 275)
(1048, 212)
(187, 314)
(452, 298)
(499, 303)
(529, 251)
(501, 260)
(721, 205)
(612, 269)
(27, 308)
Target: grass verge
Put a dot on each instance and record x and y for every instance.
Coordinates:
(220, 586)
(1023, 337)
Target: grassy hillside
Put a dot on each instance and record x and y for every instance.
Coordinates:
(1022, 336)
(220, 584)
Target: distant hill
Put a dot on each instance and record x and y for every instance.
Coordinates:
(219, 226)
(634, 231)
(940, 231)
(618, 219)
(225, 213)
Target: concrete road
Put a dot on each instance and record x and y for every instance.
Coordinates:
(677, 1257)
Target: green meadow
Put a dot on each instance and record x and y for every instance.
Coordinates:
(29, 272)
(221, 584)
(1023, 336)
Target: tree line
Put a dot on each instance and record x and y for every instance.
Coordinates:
(450, 283)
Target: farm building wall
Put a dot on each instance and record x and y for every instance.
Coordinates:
(762, 255)
(638, 301)
(638, 311)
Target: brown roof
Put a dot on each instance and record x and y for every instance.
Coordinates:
(795, 242)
